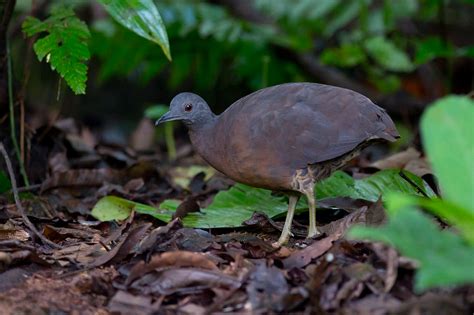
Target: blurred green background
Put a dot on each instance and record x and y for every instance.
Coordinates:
(403, 54)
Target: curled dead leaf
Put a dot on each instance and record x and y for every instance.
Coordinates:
(174, 259)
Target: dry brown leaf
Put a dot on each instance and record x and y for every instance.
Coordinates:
(397, 160)
(174, 259)
(184, 280)
(124, 248)
(303, 257)
(142, 137)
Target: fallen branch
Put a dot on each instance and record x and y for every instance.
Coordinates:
(19, 206)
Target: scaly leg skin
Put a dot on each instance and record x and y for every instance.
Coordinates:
(285, 234)
(312, 230)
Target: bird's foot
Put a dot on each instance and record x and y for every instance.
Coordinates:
(283, 240)
(276, 245)
(313, 232)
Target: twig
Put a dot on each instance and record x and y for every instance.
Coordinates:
(18, 202)
(418, 188)
(26, 189)
(12, 117)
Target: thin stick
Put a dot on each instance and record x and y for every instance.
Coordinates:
(12, 117)
(18, 202)
(26, 189)
(406, 178)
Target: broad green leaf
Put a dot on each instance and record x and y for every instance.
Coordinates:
(387, 55)
(461, 218)
(64, 47)
(141, 17)
(448, 138)
(444, 257)
(230, 208)
(115, 208)
(112, 208)
(5, 184)
(372, 187)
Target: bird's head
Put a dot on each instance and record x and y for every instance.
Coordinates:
(190, 108)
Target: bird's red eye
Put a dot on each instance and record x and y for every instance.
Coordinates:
(188, 107)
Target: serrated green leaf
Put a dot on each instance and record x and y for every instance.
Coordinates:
(32, 26)
(445, 259)
(141, 17)
(448, 138)
(64, 47)
(388, 55)
(45, 45)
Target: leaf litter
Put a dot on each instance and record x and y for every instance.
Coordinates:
(141, 265)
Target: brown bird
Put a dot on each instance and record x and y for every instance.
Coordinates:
(286, 137)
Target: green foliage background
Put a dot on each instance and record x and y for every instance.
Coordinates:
(223, 56)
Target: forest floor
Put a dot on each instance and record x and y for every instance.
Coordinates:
(142, 265)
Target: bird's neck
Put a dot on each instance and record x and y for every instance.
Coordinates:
(204, 139)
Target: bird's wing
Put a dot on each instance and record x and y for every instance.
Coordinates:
(305, 123)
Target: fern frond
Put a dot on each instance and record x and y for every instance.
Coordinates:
(64, 47)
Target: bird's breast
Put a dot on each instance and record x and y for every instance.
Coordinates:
(241, 155)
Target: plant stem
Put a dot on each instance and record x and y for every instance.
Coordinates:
(170, 144)
(12, 117)
(16, 196)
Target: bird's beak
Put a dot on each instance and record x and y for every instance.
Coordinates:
(166, 117)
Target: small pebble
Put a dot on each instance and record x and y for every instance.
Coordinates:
(329, 257)
(301, 245)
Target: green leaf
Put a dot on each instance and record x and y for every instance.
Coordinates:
(141, 17)
(467, 51)
(156, 111)
(347, 55)
(5, 184)
(372, 187)
(431, 48)
(345, 13)
(115, 208)
(444, 257)
(387, 55)
(385, 82)
(112, 208)
(447, 134)
(461, 218)
(65, 47)
(230, 208)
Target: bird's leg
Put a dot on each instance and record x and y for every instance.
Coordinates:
(312, 230)
(285, 233)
